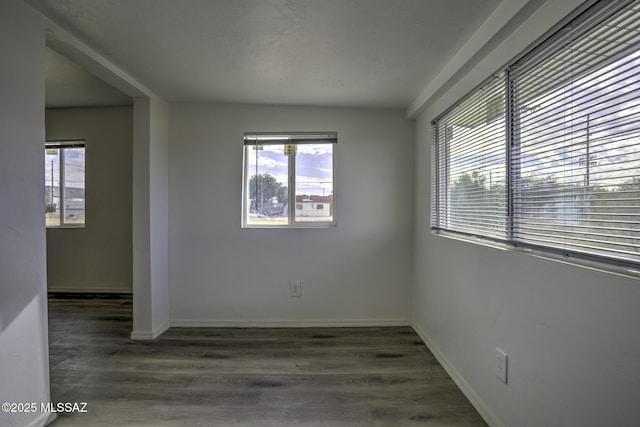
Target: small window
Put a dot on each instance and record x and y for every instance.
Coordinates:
(64, 184)
(285, 177)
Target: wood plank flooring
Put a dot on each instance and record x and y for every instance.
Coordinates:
(243, 376)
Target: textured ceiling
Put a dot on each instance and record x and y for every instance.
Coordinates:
(361, 53)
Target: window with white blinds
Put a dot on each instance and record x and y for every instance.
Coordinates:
(563, 125)
(471, 192)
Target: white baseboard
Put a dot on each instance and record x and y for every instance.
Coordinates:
(44, 419)
(286, 323)
(51, 418)
(150, 335)
(84, 290)
(484, 411)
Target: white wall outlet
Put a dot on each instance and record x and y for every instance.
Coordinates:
(501, 365)
(296, 288)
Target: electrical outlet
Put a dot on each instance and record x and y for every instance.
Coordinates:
(501, 365)
(296, 288)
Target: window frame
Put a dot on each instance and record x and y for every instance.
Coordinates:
(62, 145)
(596, 14)
(294, 139)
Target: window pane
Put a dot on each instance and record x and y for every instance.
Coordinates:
(573, 124)
(267, 184)
(74, 188)
(314, 182)
(52, 186)
(470, 154)
(578, 153)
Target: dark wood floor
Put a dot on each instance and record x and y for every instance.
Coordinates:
(243, 377)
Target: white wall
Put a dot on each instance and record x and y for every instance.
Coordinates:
(98, 257)
(159, 212)
(571, 333)
(357, 273)
(24, 369)
(150, 218)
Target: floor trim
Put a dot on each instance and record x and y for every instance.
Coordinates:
(149, 335)
(287, 323)
(84, 290)
(44, 419)
(484, 411)
(89, 295)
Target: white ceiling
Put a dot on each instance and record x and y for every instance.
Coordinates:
(356, 53)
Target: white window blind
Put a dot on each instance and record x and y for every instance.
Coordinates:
(471, 195)
(576, 136)
(568, 139)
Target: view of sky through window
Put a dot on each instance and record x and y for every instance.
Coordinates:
(64, 185)
(270, 169)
